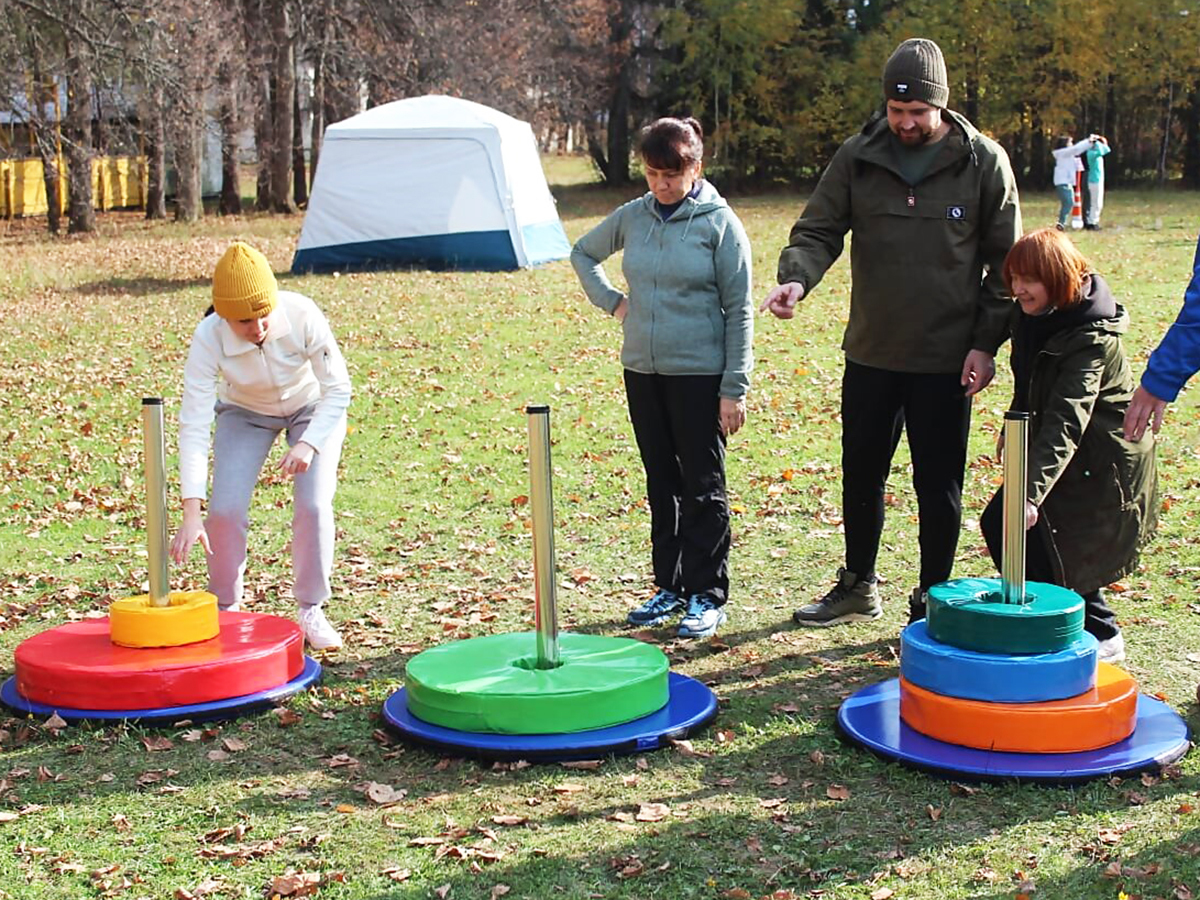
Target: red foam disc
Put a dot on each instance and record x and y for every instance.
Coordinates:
(76, 665)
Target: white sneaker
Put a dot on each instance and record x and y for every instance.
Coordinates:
(1112, 650)
(232, 607)
(317, 630)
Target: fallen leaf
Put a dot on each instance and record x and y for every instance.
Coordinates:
(837, 792)
(233, 745)
(882, 894)
(384, 794)
(499, 890)
(158, 743)
(442, 891)
(509, 820)
(285, 716)
(652, 812)
(935, 812)
(397, 874)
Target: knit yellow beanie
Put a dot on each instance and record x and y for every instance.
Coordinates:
(243, 285)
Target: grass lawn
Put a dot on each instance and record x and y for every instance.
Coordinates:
(434, 545)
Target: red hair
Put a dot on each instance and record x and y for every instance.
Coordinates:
(1047, 255)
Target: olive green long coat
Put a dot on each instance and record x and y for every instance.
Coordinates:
(1096, 492)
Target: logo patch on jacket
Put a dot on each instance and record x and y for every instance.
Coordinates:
(957, 213)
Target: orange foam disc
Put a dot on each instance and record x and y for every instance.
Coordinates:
(1097, 718)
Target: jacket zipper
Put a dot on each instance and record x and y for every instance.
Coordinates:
(262, 355)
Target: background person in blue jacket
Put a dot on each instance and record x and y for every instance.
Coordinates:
(1174, 361)
(688, 327)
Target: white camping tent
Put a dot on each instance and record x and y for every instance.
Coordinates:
(432, 181)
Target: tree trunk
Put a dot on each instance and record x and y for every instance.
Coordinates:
(81, 216)
(317, 129)
(1161, 165)
(230, 203)
(299, 170)
(281, 108)
(156, 162)
(1038, 151)
(188, 141)
(46, 136)
(620, 26)
(264, 139)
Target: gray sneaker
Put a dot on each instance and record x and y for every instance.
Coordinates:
(852, 599)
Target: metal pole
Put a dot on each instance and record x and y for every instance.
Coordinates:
(541, 500)
(156, 499)
(1016, 476)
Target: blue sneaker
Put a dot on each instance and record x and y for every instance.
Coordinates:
(702, 619)
(657, 609)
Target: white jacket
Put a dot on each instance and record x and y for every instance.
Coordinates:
(1067, 162)
(297, 365)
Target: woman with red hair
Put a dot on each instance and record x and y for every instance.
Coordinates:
(1091, 494)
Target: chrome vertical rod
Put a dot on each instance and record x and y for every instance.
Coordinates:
(1016, 476)
(155, 463)
(541, 499)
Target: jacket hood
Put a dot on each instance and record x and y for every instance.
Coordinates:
(705, 202)
(875, 133)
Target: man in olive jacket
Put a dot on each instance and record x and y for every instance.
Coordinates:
(934, 210)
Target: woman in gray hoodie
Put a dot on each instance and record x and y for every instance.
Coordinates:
(688, 328)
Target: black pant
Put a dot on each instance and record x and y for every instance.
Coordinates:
(877, 404)
(677, 424)
(1040, 555)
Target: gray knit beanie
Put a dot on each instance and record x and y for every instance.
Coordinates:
(917, 71)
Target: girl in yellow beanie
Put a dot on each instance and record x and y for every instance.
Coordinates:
(266, 363)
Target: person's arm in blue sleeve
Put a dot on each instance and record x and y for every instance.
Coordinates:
(1174, 361)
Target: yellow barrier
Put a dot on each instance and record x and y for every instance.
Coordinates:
(117, 182)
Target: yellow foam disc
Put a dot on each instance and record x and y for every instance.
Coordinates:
(190, 617)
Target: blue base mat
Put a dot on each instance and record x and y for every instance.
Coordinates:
(871, 718)
(691, 706)
(166, 715)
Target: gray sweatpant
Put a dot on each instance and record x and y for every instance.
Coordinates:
(240, 447)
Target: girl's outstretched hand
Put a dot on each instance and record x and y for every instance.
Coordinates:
(191, 531)
(297, 460)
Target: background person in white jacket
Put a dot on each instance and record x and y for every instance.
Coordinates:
(1066, 164)
(266, 363)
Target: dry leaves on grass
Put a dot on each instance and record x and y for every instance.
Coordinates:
(837, 792)
(205, 888)
(285, 716)
(383, 794)
(652, 812)
(252, 850)
(301, 884)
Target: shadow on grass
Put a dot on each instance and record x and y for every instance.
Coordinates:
(141, 287)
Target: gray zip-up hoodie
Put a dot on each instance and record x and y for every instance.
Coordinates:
(689, 306)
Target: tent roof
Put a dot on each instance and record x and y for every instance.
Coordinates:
(433, 112)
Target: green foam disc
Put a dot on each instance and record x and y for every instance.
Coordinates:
(970, 613)
(491, 684)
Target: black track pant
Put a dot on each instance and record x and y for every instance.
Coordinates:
(877, 404)
(676, 422)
